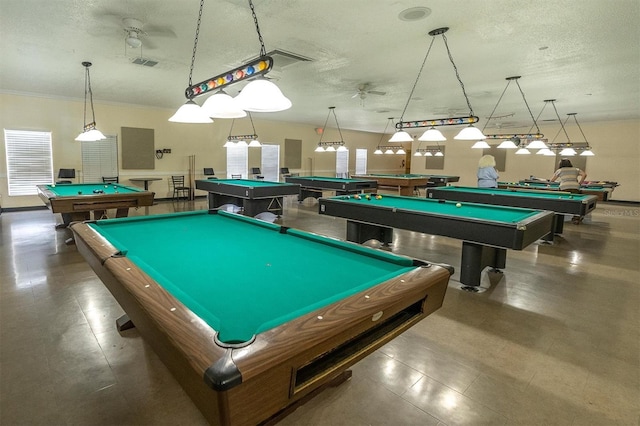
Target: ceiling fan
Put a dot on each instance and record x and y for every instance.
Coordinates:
(134, 29)
(365, 89)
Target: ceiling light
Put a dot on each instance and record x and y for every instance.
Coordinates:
(378, 151)
(389, 151)
(132, 40)
(190, 112)
(331, 146)
(439, 154)
(569, 152)
(89, 132)
(221, 105)
(587, 149)
(417, 154)
(523, 151)
(261, 95)
(549, 153)
(468, 133)
(481, 145)
(432, 134)
(508, 144)
(401, 152)
(401, 136)
(414, 13)
(536, 144)
(587, 153)
(321, 149)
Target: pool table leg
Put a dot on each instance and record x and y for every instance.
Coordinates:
(476, 257)
(67, 218)
(358, 232)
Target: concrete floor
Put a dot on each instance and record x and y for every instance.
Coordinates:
(556, 341)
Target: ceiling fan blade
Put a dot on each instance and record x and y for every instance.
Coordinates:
(376, 92)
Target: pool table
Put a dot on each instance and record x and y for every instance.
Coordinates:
(312, 186)
(577, 205)
(254, 196)
(234, 309)
(600, 192)
(405, 183)
(441, 180)
(487, 231)
(75, 202)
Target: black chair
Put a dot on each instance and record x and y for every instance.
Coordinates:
(179, 187)
(255, 171)
(110, 179)
(66, 174)
(209, 173)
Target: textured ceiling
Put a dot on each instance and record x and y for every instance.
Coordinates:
(584, 53)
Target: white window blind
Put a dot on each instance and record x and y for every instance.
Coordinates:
(361, 161)
(270, 162)
(99, 159)
(237, 161)
(342, 164)
(29, 161)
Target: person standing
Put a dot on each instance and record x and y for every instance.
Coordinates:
(570, 177)
(487, 174)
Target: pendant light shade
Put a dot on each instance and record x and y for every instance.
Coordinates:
(261, 95)
(190, 112)
(523, 151)
(569, 152)
(92, 136)
(587, 153)
(401, 136)
(221, 105)
(536, 144)
(469, 133)
(378, 151)
(432, 135)
(481, 145)
(507, 144)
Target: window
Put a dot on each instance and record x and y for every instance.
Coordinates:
(99, 159)
(270, 162)
(29, 161)
(342, 164)
(361, 161)
(237, 161)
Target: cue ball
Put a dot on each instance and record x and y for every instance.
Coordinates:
(458, 205)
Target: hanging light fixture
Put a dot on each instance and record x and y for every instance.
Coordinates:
(89, 132)
(261, 95)
(331, 146)
(523, 151)
(243, 140)
(481, 145)
(468, 133)
(221, 105)
(191, 112)
(511, 141)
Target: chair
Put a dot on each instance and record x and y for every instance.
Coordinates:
(255, 171)
(236, 176)
(179, 187)
(66, 174)
(209, 173)
(110, 179)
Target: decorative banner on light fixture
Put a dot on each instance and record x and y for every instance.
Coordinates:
(242, 137)
(257, 67)
(454, 121)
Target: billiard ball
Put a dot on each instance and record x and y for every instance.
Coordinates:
(368, 197)
(458, 205)
(378, 197)
(106, 186)
(357, 197)
(53, 185)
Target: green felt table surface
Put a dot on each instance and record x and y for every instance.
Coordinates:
(553, 185)
(329, 179)
(449, 208)
(518, 193)
(253, 183)
(75, 189)
(244, 276)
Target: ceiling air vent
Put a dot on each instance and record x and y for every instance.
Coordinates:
(144, 62)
